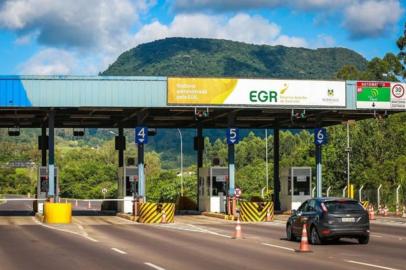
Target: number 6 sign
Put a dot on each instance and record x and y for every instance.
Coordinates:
(320, 136)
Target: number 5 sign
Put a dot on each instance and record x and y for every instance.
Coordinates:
(141, 135)
(320, 136)
(233, 136)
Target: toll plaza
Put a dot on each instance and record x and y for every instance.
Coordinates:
(148, 103)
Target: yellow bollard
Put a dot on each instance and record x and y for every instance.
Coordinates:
(351, 191)
(58, 213)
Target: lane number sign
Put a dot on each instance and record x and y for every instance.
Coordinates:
(233, 136)
(141, 135)
(320, 136)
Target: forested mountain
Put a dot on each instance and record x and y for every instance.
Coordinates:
(213, 57)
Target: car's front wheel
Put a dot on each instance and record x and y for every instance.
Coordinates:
(314, 236)
(363, 240)
(289, 233)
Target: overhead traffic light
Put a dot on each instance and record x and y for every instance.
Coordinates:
(299, 115)
(201, 114)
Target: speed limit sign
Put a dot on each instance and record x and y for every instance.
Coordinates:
(237, 192)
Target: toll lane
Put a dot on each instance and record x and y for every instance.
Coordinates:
(386, 246)
(182, 249)
(36, 247)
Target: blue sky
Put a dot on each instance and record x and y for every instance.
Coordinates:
(84, 37)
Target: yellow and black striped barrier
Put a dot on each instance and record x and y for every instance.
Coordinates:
(256, 211)
(365, 204)
(152, 212)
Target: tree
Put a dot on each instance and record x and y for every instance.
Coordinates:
(401, 43)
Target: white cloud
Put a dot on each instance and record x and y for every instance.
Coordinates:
(50, 61)
(241, 27)
(93, 29)
(81, 24)
(361, 18)
(371, 18)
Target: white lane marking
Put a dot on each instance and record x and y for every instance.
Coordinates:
(193, 228)
(119, 251)
(154, 266)
(371, 265)
(376, 235)
(209, 232)
(276, 246)
(62, 230)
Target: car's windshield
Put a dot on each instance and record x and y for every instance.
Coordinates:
(343, 206)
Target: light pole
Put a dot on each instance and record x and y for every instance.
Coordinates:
(181, 162)
(266, 160)
(348, 156)
(348, 150)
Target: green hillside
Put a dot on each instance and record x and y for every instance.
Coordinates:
(213, 57)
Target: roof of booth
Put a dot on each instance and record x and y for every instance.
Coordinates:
(99, 101)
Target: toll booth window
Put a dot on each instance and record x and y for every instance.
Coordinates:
(219, 185)
(128, 186)
(301, 185)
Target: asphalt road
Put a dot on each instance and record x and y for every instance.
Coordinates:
(193, 242)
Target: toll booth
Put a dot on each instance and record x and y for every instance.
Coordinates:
(296, 186)
(127, 188)
(213, 186)
(43, 185)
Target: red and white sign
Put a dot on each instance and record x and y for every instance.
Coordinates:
(398, 90)
(398, 97)
(237, 192)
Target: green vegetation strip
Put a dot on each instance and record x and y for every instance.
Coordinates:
(2, 200)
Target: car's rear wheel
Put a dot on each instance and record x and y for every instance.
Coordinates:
(289, 233)
(363, 240)
(314, 236)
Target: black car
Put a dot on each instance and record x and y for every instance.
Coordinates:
(329, 219)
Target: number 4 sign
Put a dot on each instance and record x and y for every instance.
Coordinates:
(141, 135)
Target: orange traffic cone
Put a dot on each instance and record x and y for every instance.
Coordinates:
(163, 220)
(89, 205)
(371, 213)
(76, 203)
(304, 243)
(268, 216)
(238, 233)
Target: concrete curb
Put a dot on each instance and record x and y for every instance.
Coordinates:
(219, 215)
(127, 216)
